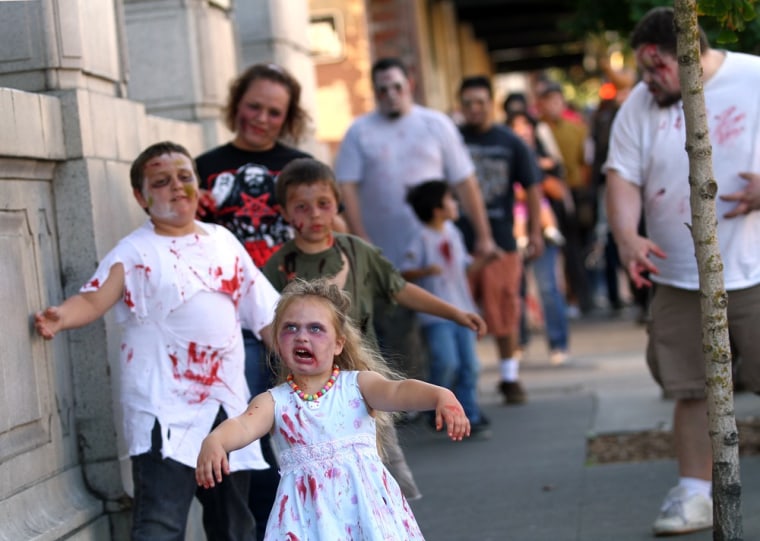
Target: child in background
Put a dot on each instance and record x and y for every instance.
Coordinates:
(181, 290)
(549, 226)
(437, 260)
(322, 417)
(310, 198)
(545, 269)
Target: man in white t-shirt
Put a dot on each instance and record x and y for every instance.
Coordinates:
(647, 169)
(393, 148)
(383, 154)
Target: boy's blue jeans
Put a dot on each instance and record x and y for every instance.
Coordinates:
(258, 375)
(164, 490)
(552, 301)
(454, 364)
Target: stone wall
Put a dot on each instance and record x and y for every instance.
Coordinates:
(69, 136)
(65, 200)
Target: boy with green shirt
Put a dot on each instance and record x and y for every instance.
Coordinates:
(310, 196)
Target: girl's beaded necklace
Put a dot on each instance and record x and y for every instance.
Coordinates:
(312, 400)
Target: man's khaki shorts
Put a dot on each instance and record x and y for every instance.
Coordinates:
(674, 352)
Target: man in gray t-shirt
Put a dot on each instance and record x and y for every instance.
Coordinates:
(397, 146)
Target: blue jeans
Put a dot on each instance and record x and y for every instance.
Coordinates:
(164, 490)
(454, 364)
(258, 375)
(552, 301)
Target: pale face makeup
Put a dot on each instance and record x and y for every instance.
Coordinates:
(261, 114)
(659, 71)
(161, 209)
(170, 193)
(393, 92)
(307, 341)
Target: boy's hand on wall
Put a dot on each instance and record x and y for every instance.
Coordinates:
(48, 322)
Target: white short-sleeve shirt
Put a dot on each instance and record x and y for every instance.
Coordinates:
(182, 353)
(386, 157)
(647, 148)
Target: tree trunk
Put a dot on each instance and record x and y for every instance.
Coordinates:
(715, 341)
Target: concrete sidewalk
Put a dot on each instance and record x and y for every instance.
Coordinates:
(531, 480)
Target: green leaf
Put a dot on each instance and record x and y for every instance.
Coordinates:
(727, 36)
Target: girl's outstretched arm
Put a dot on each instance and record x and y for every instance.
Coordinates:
(83, 308)
(233, 434)
(415, 298)
(383, 394)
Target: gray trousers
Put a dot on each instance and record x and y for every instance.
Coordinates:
(395, 461)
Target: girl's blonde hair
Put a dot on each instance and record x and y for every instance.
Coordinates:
(357, 354)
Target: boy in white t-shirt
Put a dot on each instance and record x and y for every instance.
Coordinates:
(180, 290)
(436, 259)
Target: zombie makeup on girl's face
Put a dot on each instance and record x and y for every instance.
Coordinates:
(307, 340)
(659, 71)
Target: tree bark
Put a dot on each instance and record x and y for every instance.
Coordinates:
(727, 523)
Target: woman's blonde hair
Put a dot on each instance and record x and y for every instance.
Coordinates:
(357, 354)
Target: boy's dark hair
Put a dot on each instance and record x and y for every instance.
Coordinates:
(476, 81)
(382, 64)
(426, 197)
(304, 171)
(657, 28)
(137, 170)
(295, 116)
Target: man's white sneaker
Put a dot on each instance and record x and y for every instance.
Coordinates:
(683, 512)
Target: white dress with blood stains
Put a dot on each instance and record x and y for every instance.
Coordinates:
(334, 486)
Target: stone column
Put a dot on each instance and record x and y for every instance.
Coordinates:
(50, 45)
(182, 57)
(60, 151)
